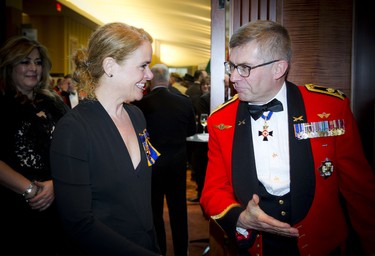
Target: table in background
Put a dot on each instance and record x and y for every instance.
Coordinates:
(198, 137)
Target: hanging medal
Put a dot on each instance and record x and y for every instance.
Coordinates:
(326, 169)
(151, 153)
(265, 133)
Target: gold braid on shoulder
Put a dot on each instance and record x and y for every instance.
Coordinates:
(325, 90)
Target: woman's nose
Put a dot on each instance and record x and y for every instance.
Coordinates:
(149, 74)
(32, 65)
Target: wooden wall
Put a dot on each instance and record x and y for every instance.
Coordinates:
(321, 33)
(62, 32)
(62, 36)
(55, 43)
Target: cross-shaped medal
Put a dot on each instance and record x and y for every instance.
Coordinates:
(265, 131)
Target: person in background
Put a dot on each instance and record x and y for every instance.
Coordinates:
(205, 99)
(205, 84)
(286, 170)
(64, 90)
(170, 119)
(68, 91)
(199, 150)
(102, 170)
(57, 87)
(199, 157)
(29, 111)
(187, 80)
(195, 90)
(175, 81)
(51, 82)
(172, 88)
(71, 91)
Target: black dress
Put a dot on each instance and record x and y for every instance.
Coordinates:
(25, 135)
(104, 202)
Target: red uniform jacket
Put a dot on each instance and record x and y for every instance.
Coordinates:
(316, 209)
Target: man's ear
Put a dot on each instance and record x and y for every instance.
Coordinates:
(280, 68)
(108, 64)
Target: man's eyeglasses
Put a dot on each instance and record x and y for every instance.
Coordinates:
(243, 70)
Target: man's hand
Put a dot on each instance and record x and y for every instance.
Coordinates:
(255, 218)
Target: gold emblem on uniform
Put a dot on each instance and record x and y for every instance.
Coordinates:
(241, 122)
(296, 119)
(324, 115)
(222, 126)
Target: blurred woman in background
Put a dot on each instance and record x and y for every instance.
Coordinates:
(29, 111)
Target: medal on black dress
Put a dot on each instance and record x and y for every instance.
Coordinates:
(151, 153)
(265, 131)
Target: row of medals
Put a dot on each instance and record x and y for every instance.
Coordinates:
(319, 129)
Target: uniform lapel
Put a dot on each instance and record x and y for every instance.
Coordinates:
(245, 180)
(244, 177)
(302, 177)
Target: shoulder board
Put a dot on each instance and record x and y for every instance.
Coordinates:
(235, 97)
(325, 90)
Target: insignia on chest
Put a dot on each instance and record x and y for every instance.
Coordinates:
(319, 129)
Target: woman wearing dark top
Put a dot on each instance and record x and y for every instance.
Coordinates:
(29, 111)
(101, 156)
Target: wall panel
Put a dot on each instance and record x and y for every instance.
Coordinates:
(321, 33)
(76, 36)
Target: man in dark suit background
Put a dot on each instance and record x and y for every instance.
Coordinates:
(170, 119)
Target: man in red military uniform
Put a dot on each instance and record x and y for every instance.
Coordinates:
(286, 167)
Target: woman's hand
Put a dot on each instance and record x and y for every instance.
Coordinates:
(45, 196)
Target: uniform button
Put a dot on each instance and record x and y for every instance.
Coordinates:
(281, 201)
(258, 245)
(283, 213)
(258, 235)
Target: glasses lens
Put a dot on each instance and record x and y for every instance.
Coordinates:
(228, 67)
(243, 71)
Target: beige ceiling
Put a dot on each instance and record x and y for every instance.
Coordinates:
(181, 28)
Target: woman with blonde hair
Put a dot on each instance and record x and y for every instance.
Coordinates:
(101, 155)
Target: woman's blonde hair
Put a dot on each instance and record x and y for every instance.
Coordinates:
(116, 40)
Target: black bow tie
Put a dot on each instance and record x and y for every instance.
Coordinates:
(256, 111)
